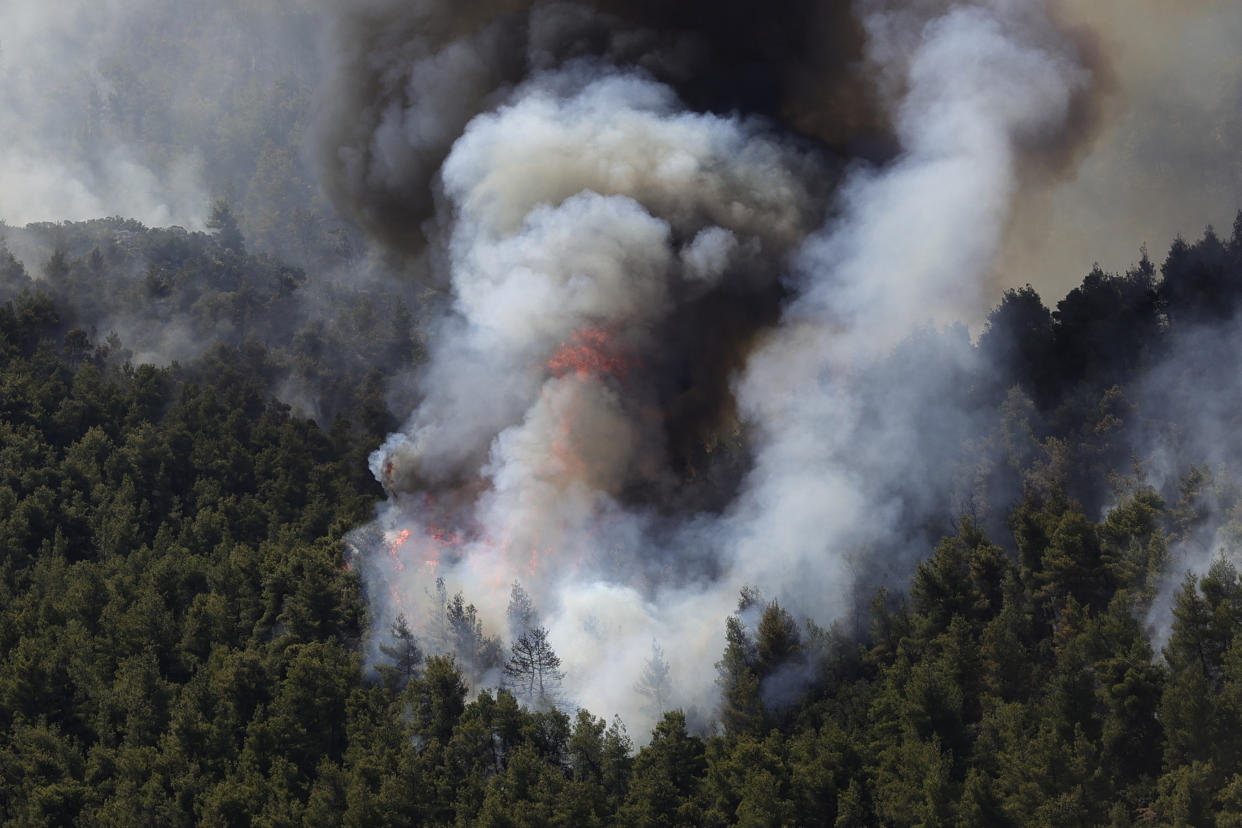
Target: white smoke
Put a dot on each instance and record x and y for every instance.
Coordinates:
(912, 246)
(580, 215)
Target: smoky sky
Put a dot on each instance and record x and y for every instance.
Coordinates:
(1164, 159)
(1155, 155)
(147, 109)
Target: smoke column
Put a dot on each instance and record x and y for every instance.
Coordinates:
(674, 362)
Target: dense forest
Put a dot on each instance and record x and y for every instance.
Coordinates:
(181, 635)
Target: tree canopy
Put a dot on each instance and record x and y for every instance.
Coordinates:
(182, 641)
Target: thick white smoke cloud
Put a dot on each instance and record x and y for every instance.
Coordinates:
(911, 246)
(580, 217)
(567, 207)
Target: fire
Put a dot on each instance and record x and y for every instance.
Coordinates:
(394, 551)
(443, 538)
(436, 539)
(430, 542)
(589, 352)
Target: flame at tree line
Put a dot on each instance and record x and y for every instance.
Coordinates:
(590, 354)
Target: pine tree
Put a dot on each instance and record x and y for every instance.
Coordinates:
(533, 673)
(435, 628)
(741, 710)
(665, 775)
(404, 653)
(224, 223)
(654, 685)
(478, 654)
(522, 615)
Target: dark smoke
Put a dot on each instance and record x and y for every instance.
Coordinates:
(412, 74)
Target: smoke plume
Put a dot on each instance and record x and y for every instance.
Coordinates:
(673, 364)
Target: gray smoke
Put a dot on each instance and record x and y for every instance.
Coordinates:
(1195, 385)
(61, 161)
(152, 109)
(410, 75)
(590, 226)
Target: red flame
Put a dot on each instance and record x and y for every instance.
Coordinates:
(443, 538)
(428, 545)
(589, 352)
(394, 551)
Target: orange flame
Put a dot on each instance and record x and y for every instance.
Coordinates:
(430, 543)
(589, 353)
(394, 551)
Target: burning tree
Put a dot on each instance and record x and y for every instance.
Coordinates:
(533, 673)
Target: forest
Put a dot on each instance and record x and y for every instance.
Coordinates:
(182, 636)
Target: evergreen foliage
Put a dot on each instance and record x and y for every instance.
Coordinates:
(655, 684)
(533, 672)
(181, 640)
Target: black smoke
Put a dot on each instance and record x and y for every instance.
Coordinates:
(412, 74)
